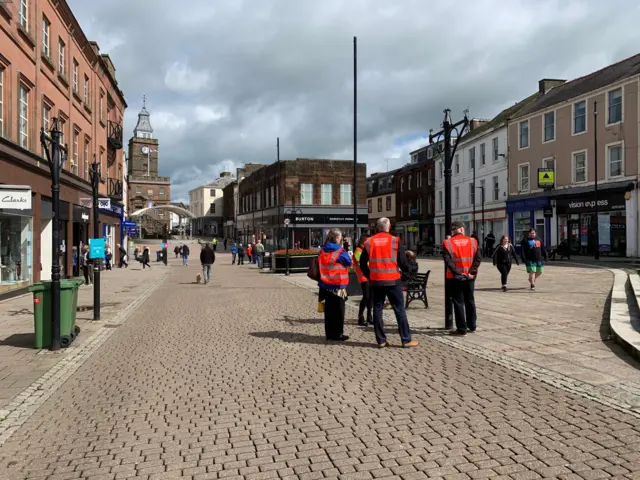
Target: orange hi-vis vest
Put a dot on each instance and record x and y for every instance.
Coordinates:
(462, 250)
(331, 272)
(361, 277)
(383, 257)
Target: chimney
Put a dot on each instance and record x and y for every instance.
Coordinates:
(225, 174)
(546, 84)
(475, 123)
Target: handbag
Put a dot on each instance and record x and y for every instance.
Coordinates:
(314, 270)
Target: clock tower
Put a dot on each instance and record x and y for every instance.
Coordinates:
(146, 186)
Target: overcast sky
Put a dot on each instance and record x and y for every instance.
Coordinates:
(226, 77)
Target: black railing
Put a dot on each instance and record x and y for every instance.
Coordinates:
(114, 188)
(114, 135)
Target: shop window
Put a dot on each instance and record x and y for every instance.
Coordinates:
(15, 250)
(306, 194)
(521, 225)
(345, 194)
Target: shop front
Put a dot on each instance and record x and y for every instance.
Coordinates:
(80, 235)
(577, 222)
(526, 213)
(111, 218)
(16, 237)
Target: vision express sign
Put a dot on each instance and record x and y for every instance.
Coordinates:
(607, 202)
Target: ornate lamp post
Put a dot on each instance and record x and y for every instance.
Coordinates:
(292, 211)
(95, 183)
(56, 154)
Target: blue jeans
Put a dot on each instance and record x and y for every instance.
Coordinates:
(206, 272)
(396, 299)
(185, 259)
(233, 258)
(259, 258)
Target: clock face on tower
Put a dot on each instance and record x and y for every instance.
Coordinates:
(144, 149)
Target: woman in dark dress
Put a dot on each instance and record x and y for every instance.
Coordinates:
(502, 257)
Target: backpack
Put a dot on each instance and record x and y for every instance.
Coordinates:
(314, 270)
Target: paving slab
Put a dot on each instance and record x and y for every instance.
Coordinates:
(235, 380)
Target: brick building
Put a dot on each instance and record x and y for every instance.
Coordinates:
(48, 69)
(230, 199)
(381, 197)
(415, 197)
(320, 192)
(206, 202)
(146, 187)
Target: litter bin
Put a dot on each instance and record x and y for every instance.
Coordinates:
(159, 256)
(42, 312)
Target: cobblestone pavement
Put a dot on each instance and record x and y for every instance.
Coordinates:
(21, 364)
(234, 380)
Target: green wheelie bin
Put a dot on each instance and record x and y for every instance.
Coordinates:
(42, 312)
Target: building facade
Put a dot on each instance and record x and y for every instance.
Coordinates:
(49, 69)
(554, 145)
(207, 204)
(146, 187)
(381, 197)
(312, 194)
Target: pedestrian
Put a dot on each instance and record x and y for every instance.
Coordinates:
(249, 252)
(108, 256)
(381, 261)
(240, 254)
(207, 259)
(533, 255)
(502, 257)
(145, 258)
(366, 302)
(462, 259)
(410, 275)
(87, 265)
(225, 244)
(123, 257)
(259, 253)
(185, 255)
(215, 243)
(234, 253)
(489, 241)
(333, 264)
(176, 250)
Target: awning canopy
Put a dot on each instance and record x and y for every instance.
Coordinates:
(181, 212)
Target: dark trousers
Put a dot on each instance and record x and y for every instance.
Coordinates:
(87, 271)
(366, 303)
(464, 304)
(333, 314)
(123, 262)
(396, 299)
(240, 259)
(145, 263)
(504, 269)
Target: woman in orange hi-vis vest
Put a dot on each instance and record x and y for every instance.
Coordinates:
(333, 263)
(366, 301)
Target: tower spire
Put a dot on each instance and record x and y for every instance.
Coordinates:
(144, 101)
(143, 127)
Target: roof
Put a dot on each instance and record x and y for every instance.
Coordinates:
(144, 124)
(626, 68)
(221, 182)
(383, 174)
(499, 119)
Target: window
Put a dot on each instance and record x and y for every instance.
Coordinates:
(429, 177)
(456, 164)
(1, 102)
(86, 90)
(101, 154)
(409, 183)
(345, 194)
(379, 204)
(429, 205)
(549, 163)
(100, 107)
(46, 117)
(482, 187)
(495, 145)
(74, 167)
(418, 179)
(440, 207)
(523, 177)
(87, 141)
(150, 192)
(326, 194)
(306, 194)
(579, 167)
(212, 192)
(521, 224)
(440, 170)
(456, 201)
(496, 189)
(402, 184)
(402, 209)
(46, 30)
(369, 205)
(24, 14)
(414, 158)
(579, 117)
(472, 158)
(549, 133)
(138, 189)
(388, 202)
(472, 194)
(429, 153)
(483, 154)
(23, 127)
(614, 98)
(161, 193)
(614, 157)
(61, 55)
(524, 134)
(75, 76)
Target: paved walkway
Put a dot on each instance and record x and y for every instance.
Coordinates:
(234, 380)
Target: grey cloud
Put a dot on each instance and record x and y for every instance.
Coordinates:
(284, 68)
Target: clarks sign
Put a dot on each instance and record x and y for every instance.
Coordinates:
(15, 199)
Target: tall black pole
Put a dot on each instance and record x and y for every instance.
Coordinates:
(277, 187)
(595, 171)
(474, 227)
(95, 182)
(482, 229)
(355, 140)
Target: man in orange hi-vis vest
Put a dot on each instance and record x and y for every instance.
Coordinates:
(462, 258)
(381, 261)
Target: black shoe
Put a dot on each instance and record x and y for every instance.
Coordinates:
(533, 287)
(341, 338)
(472, 331)
(459, 333)
(361, 321)
(504, 288)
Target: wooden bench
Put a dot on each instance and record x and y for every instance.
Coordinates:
(416, 289)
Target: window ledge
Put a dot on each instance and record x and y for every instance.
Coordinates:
(86, 107)
(102, 122)
(63, 79)
(26, 36)
(4, 11)
(77, 97)
(47, 60)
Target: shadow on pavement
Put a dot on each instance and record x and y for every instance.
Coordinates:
(605, 327)
(499, 289)
(20, 340)
(293, 337)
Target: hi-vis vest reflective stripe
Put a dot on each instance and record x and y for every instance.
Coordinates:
(331, 272)
(361, 277)
(462, 250)
(383, 257)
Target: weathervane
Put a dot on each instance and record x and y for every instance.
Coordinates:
(144, 101)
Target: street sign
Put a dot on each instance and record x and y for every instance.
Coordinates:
(128, 224)
(96, 247)
(287, 221)
(547, 212)
(546, 178)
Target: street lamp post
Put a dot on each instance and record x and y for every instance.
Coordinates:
(355, 140)
(56, 154)
(596, 255)
(293, 211)
(95, 183)
(449, 151)
(481, 236)
(277, 242)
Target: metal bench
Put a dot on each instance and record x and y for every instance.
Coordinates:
(416, 289)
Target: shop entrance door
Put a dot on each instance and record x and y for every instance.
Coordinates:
(573, 228)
